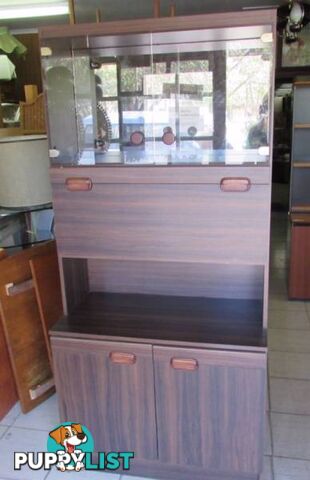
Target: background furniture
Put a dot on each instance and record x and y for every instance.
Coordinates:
(299, 278)
(7, 383)
(32, 115)
(300, 175)
(29, 282)
(300, 193)
(164, 273)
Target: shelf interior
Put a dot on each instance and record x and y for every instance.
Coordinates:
(167, 318)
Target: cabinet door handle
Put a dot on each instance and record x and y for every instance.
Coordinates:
(235, 184)
(79, 184)
(189, 364)
(12, 289)
(123, 358)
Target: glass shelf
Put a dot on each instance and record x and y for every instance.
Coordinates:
(160, 99)
(24, 227)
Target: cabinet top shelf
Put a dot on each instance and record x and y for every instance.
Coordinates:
(167, 319)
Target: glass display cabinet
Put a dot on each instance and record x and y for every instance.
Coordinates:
(160, 136)
(183, 97)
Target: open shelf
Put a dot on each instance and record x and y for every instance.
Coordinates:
(159, 318)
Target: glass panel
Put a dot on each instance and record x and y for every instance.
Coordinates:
(170, 98)
(61, 108)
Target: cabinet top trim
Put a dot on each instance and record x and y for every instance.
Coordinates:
(162, 24)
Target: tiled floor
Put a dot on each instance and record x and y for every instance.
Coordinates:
(287, 439)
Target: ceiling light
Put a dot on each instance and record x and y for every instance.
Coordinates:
(30, 11)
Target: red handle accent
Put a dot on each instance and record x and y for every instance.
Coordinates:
(188, 364)
(235, 184)
(123, 358)
(79, 184)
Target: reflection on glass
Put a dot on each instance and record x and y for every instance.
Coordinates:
(189, 102)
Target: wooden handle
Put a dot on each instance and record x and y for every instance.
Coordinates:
(235, 184)
(79, 184)
(12, 289)
(42, 388)
(188, 364)
(123, 358)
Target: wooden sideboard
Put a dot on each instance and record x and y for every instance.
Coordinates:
(163, 250)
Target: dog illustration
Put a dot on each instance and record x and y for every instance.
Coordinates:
(69, 437)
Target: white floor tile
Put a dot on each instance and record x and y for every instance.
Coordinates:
(21, 440)
(267, 469)
(10, 418)
(3, 429)
(57, 475)
(295, 320)
(267, 439)
(290, 396)
(291, 436)
(289, 469)
(281, 302)
(44, 417)
(289, 365)
(284, 340)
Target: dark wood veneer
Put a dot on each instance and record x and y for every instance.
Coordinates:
(186, 436)
(163, 24)
(116, 401)
(163, 222)
(162, 319)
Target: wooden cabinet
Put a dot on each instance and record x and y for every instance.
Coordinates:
(210, 405)
(115, 399)
(300, 172)
(299, 268)
(161, 180)
(201, 409)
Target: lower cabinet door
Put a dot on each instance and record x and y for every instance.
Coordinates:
(108, 387)
(210, 409)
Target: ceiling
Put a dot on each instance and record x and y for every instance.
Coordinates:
(114, 9)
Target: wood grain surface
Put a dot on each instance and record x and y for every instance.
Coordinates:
(217, 20)
(210, 417)
(116, 401)
(22, 326)
(299, 269)
(176, 278)
(164, 223)
(162, 319)
(8, 395)
(45, 274)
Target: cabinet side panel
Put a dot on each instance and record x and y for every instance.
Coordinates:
(75, 276)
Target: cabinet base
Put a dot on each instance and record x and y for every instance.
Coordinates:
(166, 472)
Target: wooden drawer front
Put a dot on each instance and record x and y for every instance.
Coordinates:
(163, 222)
(210, 409)
(109, 387)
